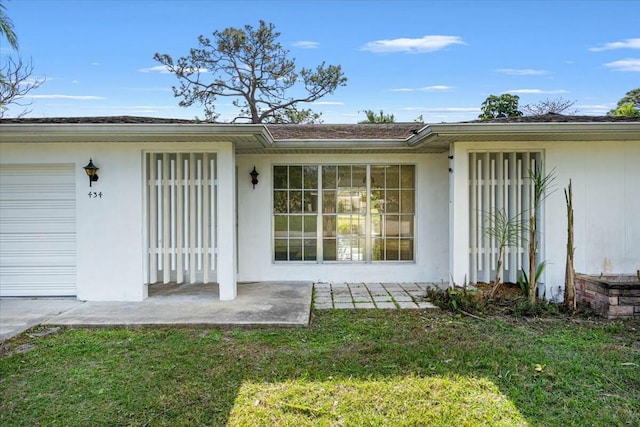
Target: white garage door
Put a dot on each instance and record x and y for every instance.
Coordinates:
(37, 230)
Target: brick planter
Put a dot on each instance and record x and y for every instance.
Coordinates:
(611, 296)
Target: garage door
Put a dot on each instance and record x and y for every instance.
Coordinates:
(37, 230)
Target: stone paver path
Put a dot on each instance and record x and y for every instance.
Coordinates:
(371, 295)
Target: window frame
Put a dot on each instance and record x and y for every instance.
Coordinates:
(319, 214)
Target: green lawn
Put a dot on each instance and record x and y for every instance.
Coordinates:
(349, 368)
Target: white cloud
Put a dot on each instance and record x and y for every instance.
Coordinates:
(423, 89)
(625, 44)
(328, 103)
(306, 44)
(421, 45)
(632, 64)
(536, 91)
(157, 69)
(73, 97)
(521, 72)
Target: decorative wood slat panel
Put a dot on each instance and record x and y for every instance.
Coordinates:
(499, 181)
(181, 194)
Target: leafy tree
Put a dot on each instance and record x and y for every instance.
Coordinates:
(251, 67)
(15, 76)
(505, 105)
(379, 118)
(626, 110)
(6, 28)
(550, 106)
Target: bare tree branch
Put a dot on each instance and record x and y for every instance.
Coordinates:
(16, 82)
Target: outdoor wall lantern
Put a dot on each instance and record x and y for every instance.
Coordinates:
(254, 177)
(91, 171)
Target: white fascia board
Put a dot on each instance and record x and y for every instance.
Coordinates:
(546, 127)
(79, 132)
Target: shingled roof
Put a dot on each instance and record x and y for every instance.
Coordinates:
(322, 132)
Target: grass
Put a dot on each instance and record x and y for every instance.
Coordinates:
(350, 367)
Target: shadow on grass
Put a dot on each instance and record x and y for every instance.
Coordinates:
(348, 368)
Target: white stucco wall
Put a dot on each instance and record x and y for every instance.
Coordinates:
(255, 223)
(606, 188)
(110, 231)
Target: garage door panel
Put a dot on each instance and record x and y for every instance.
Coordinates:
(37, 230)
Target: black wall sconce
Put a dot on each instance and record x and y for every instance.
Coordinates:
(254, 177)
(91, 171)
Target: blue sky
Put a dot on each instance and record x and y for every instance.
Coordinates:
(438, 60)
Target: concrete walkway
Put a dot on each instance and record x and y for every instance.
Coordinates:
(257, 304)
(372, 295)
(19, 314)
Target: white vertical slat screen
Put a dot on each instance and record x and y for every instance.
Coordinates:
(499, 181)
(181, 196)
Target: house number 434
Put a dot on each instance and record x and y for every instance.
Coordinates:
(95, 195)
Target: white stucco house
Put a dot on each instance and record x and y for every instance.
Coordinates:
(174, 202)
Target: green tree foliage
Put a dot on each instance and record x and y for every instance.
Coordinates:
(6, 28)
(377, 118)
(505, 105)
(626, 110)
(251, 67)
(629, 105)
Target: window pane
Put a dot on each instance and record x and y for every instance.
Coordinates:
(393, 176)
(281, 226)
(391, 252)
(406, 201)
(295, 177)
(377, 201)
(392, 200)
(376, 225)
(406, 249)
(329, 249)
(310, 226)
(359, 176)
(280, 177)
(310, 201)
(391, 225)
(406, 225)
(344, 176)
(344, 201)
(377, 176)
(408, 173)
(310, 250)
(280, 250)
(311, 177)
(329, 225)
(295, 250)
(295, 226)
(295, 201)
(280, 203)
(329, 176)
(344, 225)
(329, 201)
